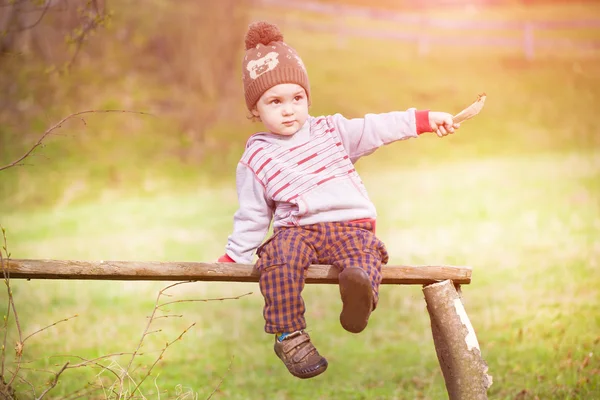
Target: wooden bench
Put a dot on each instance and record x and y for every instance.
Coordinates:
(457, 348)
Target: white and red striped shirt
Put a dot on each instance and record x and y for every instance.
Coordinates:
(309, 177)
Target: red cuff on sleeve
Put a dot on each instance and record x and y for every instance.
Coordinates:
(422, 117)
(225, 258)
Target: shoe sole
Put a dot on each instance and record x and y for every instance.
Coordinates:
(357, 299)
(321, 367)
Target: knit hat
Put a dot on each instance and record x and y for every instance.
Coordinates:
(268, 62)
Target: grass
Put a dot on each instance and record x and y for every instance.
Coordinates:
(526, 225)
(515, 194)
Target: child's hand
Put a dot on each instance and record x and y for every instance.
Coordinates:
(441, 123)
(225, 259)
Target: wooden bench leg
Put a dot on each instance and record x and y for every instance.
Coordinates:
(465, 371)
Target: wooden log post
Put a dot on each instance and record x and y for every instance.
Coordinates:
(456, 345)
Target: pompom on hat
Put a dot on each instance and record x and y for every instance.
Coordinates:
(269, 61)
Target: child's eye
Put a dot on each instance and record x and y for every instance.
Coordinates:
(298, 98)
(275, 101)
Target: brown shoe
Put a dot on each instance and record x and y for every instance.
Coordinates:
(300, 356)
(357, 299)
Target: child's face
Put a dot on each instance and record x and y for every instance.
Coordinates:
(283, 109)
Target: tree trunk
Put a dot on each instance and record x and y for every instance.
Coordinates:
(465, 371)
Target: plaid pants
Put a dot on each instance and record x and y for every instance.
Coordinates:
(285, 256)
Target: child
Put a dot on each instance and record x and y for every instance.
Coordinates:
(300, 174)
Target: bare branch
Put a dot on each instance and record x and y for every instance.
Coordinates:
(58, 125)
(49, 326)
(7, 316)
(146, 331)
(33, 25)
(222, 379)
(160, 357)
(54, 382)
(28, 383)
(82, 393)
(144, 334)
(93, 360)
(11, 305)
(203, 300)
(169, 316)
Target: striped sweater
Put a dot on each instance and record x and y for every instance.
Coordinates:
(309, 177)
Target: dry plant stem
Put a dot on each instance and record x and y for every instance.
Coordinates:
(47, 371)
(11, 305)
(49, 326)
(106, 368)
(58, 125)
(6, 317)
(221, 381)
(4, 339)
(147, 331)
(44, 11)
(81, 393)
(203, 300)
(169, 316)
(91, 24)
(157, 388)
(93, 360)
(28, 383)
(158, 359)
(54, 381)
(144, 333)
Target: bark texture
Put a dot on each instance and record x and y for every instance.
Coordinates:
(197, 271)
(456, 345)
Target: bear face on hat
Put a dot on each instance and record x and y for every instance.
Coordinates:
(269, 61)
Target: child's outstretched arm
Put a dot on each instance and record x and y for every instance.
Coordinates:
(251, 221)
(362, 136)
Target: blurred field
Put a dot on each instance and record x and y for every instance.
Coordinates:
(515, 194)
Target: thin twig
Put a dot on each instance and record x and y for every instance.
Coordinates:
(156, 386)
(49, 326)
(90, 25)
(169, 316)
(105, 368)
(160, 357)
(28, 383)
(37, 370)
(81, 392)
(54, 382)
(126, 371)
(93, 360)
(58, 125)
(222, 379)
(7, 316)
(203, 300)
(44, 11)
(11, 302)
(151, 318)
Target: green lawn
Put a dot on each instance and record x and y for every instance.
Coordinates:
(527, 225)
(515, 194)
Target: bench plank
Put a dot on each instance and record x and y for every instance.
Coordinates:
(223, 272)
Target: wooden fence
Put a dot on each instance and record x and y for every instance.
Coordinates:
(528, 37)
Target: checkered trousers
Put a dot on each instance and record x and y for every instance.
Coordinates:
(285, 256)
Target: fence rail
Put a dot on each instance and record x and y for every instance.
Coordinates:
(417, 28)
(222, 272)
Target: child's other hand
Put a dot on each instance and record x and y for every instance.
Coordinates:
(225, 259)
(441, 123)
